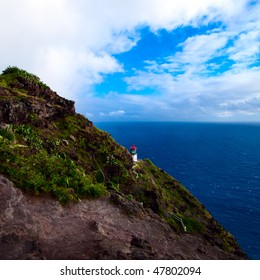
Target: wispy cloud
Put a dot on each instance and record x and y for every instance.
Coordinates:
(113, 113)
(214, 74)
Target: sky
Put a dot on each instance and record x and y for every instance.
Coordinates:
(141, 60)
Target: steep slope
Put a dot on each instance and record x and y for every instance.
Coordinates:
(81, 195)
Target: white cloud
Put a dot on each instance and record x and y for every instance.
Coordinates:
(188, 78)
(89, 115)
(249, 105)
(246, 49)
(118, 113)
(71, 71)
(205, 97)
(32, 28)
(70, 45)
(201, 48)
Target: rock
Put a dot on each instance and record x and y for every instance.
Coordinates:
(141, 249)
(66, 142)
(34, 227)
(18, 228)
(39, 102)
(73, 138)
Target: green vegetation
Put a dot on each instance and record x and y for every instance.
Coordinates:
(7, 133)
(70, 159)
(100, 176)
(29, 136)
(40, 171)
(12, 73)
(64, 158)
(163, 194)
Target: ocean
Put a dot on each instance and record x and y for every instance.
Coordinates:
(218, 163)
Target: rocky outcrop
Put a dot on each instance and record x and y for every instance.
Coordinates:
(112, 227)
(38, 104)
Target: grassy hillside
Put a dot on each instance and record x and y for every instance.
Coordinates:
(45, 147)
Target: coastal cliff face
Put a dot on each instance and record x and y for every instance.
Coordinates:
(112, 227)
(69, 191)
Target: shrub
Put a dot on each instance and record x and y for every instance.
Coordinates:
(63, 195)
(100, 176)
(95, 190)
(7, 133)
(29, 135)
(17, 72)
(113, 186)
(20, 72)
(42, 172)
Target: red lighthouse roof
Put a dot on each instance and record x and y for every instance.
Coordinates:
(133, 147)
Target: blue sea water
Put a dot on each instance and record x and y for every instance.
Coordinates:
(218, 163)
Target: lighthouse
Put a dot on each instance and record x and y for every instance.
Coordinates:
(133, 152)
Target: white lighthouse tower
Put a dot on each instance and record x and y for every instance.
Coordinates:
(133, 152)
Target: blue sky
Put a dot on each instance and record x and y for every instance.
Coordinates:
(140, 60)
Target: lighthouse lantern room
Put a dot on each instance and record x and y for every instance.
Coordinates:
(133, 152)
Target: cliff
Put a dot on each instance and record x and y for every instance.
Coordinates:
(69, 191)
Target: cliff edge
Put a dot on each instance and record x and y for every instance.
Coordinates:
(69, 191)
